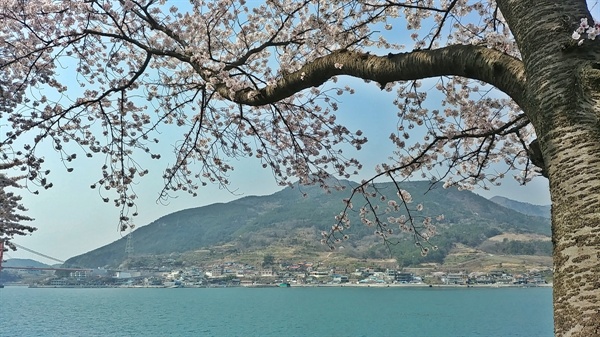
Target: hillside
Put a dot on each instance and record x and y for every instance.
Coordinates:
(21, 276)
(523, 207)
(24, 263)
(294, 217)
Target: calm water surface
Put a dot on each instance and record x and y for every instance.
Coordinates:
(276, 312)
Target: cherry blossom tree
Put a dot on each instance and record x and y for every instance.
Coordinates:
(479, 85)
(11, 219)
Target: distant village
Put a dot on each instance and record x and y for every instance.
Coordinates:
(233, 274)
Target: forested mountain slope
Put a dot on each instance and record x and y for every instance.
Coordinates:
(296, 216)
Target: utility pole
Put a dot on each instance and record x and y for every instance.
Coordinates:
(129, 244)
(1, 253)
(1, 257)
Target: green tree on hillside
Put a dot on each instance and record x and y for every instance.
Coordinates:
(268, 260)
(261, 80)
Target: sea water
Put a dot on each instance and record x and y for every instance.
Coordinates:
(295, 311)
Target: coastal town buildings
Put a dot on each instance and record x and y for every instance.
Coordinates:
(296, 274)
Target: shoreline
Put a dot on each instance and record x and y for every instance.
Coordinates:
(421, 285)
(344, 285)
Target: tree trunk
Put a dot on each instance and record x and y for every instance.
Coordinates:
(568, 126)
(563, 104)
(574, 169)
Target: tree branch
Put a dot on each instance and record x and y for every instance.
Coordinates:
(480, 63)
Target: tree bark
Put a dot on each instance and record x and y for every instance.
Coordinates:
(574, 170)
(563, 104)
(492, 66)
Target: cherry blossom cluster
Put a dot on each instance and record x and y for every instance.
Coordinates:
(11, 217)
(586, 31)
(391, 218)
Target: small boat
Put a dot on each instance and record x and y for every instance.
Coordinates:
(284, 285)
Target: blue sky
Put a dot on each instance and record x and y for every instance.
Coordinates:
(72, 219)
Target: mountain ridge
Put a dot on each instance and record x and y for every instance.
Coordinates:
(17, 262)
(295, 217)
(523, 207)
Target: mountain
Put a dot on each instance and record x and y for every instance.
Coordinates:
(523, 207)
(294, 217)
(21, 276)
(24, 263)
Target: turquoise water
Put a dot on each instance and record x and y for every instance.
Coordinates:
(276, 312)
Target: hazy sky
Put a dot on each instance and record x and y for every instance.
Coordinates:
(72, 219)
